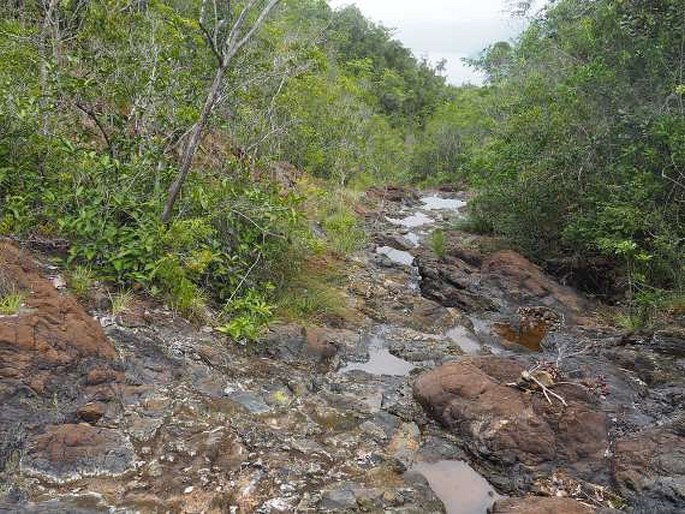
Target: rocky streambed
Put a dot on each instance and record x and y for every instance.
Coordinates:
(416, 404)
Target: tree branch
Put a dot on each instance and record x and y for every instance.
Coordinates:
(257, 24)
(91, 114)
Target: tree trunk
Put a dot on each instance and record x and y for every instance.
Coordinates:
(193, 143)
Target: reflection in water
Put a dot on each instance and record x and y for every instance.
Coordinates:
(466, 341)
(415, 220)
(381, 362)
(413, 238)
(395, 255)
(461, 489)
(435, 203)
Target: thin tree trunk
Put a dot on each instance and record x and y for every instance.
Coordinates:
(193, 143)
(224, 53)
(48, 41)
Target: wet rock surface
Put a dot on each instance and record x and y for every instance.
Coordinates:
(388, 412)
(67, 452)
(505, 424)
(651, 466)
(534, 505)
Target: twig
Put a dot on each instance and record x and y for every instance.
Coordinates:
(91, 114)
(242, 280)
(262, 230)
(548, 391)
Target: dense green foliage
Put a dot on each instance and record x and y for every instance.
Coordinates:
(577, 145)
(97, 98)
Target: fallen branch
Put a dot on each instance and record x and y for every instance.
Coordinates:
(544, 388)
(531, 376)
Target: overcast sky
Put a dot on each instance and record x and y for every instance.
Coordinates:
(450, 29)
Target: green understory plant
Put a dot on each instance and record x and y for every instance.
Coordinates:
(247, 316)
(11, 302)
(121, 302)
(438, 243)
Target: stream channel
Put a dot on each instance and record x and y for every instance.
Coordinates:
(461, 489)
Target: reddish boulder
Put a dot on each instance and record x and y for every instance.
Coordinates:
(54, 361)
(68, 452)
(651, 465)
(525, 282)
(507, 425)
(52, 332)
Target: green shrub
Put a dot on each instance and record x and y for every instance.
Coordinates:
(81, 280)
(438, 243)
(248, 317)
(581, 155)
(11, 302)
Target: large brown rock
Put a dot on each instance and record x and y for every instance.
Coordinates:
(69, 452)
(52, 334)
(56, 364)
(295, 343)
(509, 426)
(541, 505)
(526, 283)
(469, 281)
(453, 282)
(650, 466)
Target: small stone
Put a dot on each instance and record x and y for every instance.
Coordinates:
(405, 443)
(91, 412)
(251, 401)
(341, 498)
(188, 490)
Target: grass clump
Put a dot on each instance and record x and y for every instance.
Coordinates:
(342, 230)
(316, 294)
(81, 280)
(121, 302)
(472, 225)
(333, 211)
(11, 302)
(439, 243)
(11, 298)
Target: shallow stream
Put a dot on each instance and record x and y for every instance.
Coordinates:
(461, 489)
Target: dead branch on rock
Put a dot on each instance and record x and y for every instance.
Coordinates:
(541, 378)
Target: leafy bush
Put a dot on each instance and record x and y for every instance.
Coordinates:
(248, 317)
(11, 302)
(582, 153)
(438, 243)
(94, 115)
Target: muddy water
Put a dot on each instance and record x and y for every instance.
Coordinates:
(413, 238)
(419, 219)
(528, 335)
(461, 489)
